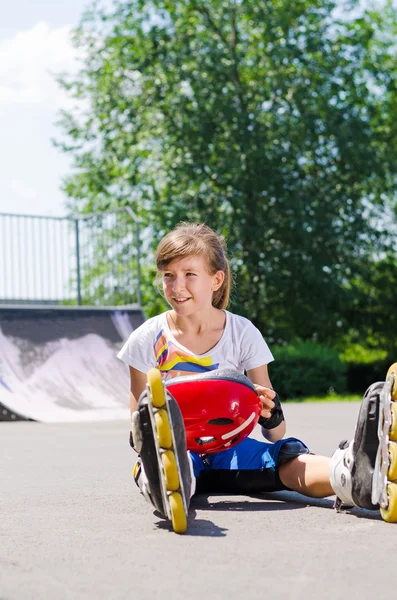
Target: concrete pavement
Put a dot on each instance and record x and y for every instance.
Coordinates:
(74, 526)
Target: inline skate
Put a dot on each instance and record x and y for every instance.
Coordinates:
(364, 472)
(163, 471)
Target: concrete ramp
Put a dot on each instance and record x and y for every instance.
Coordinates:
(58, 363)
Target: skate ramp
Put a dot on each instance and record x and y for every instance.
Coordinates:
(58, 364)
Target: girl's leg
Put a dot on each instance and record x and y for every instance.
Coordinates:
(251, 466)
(352, 467)
(307, 474)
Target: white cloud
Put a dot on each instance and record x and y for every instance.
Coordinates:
(26, 63)
(31, 169)
(22, 190)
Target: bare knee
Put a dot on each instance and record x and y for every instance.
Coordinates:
(307, 474)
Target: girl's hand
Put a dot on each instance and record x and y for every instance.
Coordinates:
(266, 396)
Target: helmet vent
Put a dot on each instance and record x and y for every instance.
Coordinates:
(221, 421)
(202, 441)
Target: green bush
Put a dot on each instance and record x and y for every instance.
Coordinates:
(364, 366)
(307, 369)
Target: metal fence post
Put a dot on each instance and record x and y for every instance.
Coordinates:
(138, 263)
(138, 251)
(76, 225)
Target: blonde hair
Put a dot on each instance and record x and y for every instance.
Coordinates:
(197, 239)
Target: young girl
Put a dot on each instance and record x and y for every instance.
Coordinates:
(199, 335)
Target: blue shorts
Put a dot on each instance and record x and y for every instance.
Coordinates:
(250, 466)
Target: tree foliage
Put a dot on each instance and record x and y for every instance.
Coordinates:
(273, 122)
(372, 314)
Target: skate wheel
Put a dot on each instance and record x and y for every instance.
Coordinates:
(170, 470)
(179, 521)
(389, 514)
(392, 468)
(163, 427)
(156, 388)
(393, 426)
(393, 371)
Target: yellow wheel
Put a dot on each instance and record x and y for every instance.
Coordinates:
(389, 514)
(164, 435)
(393, 371)
(179, 521)
(392, 468)
(393, 426)
(156, 388)
(170, 470)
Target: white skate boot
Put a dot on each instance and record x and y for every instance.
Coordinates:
(364, 472)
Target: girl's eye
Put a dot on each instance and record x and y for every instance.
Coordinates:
(191, 274)
(167, 275)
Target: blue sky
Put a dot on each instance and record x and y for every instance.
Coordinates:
(34, 39)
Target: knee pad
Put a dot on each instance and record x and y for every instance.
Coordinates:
(291, 449)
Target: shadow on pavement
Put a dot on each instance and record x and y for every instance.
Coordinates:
(196, 527)
(363, 513)
(266, 502)
(360, 513)
(275, 501)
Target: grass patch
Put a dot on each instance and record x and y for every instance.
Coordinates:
(329, 398)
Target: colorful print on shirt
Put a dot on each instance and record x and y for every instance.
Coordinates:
(172, 361)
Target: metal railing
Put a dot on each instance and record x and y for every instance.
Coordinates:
(88, 259)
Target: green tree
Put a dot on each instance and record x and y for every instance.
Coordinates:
(274, 122)
(372, 314)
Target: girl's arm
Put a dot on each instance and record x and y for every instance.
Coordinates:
(137, 385)
(260, 379)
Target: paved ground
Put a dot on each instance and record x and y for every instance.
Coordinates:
(73, 526)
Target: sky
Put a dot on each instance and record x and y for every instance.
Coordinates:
(34, 41)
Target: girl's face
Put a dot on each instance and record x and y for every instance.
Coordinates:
(188, 286)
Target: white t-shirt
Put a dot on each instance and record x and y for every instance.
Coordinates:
(241, 347)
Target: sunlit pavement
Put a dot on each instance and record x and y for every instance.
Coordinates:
(73, 525)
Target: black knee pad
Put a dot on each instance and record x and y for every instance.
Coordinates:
(291, 449)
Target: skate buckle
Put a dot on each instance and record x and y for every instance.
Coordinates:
(136, 432)
(339, 506)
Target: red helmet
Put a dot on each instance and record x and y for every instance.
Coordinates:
(219, 408)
